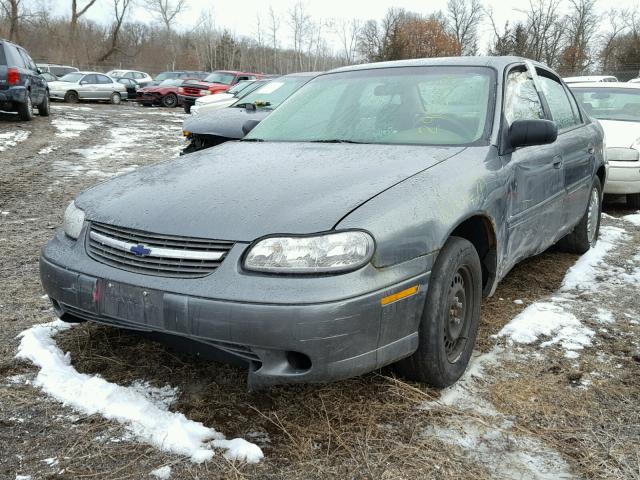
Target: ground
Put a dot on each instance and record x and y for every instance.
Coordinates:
(551, 395)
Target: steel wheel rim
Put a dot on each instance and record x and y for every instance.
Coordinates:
(171, 100)
(592, 215)
(115, 98)
(459, 311)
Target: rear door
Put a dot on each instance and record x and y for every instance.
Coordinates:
(105, 86)
(87, 87)
(536, 182)
(36, 82)
(576, 144)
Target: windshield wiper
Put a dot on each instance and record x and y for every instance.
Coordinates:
(334, 140)
(252, 139)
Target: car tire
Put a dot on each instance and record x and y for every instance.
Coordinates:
(115, 98)
(585, 234)
(25, 110)
(450, 318)
(187, 108)
(71, 97)
(147, 105)
(44, 108)
(170, 100)
(633, 201)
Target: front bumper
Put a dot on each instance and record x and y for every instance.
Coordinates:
(284, 335)
(623, 178)
(57, 94)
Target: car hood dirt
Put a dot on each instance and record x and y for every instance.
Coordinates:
(243, 190)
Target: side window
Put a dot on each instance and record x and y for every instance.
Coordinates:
(90, 79)
(574, 105)
(139, 75)
(14, 59)
(521, 101)
(104, 79)
(28, 61)
(558, 101)
(128, 75)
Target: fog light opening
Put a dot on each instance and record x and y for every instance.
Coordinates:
(299, 361)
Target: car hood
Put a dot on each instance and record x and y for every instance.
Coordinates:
(218, 97)
(620, 134)
(226, 122)
(243, 190)
(57, 85)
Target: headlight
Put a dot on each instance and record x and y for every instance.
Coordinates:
(73, 220)
(327, 253)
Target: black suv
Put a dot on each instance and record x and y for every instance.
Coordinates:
(21, 86)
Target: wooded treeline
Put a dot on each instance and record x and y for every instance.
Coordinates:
(572, 36)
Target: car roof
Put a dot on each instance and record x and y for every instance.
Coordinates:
(605, 85)
(299, 74)
(472, 61)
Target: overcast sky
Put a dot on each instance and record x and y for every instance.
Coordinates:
(239, 16)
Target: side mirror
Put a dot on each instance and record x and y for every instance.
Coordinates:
(83, 82)
(249, 125)
(527, 133)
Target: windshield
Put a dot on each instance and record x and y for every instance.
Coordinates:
(273, 93)
(406, 105)
(621, 104)
(171, 82)
(240, 86)
(218, 77)
(165, 75)
(72, 77)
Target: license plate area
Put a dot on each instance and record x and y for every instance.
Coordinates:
(131, 303)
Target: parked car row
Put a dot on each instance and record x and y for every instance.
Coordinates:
(357, 223)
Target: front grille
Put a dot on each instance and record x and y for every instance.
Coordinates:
(164, 255)
(192, 91)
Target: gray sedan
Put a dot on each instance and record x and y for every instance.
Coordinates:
(77, 86)
(355, 227)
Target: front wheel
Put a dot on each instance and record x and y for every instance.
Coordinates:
(169, 100)
(71, 97)
(25, 110)
(585, 234)
(44, 108)
(449, 324)
(115, 98)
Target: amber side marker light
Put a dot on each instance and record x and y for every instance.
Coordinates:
(400, 295)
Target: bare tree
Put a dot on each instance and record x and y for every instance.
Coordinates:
(581, 25)
(609, 37)
(274, 27)
(464, 17)
(120, 9)
(349, 31)
(301, 30)
(168, 11)
(545, 31)
(76, 13)
(12, 11)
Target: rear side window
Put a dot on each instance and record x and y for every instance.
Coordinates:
(13, 57)
(561, 110)
(103, 79)
(28, 62)
(3, 59)
(521, 100)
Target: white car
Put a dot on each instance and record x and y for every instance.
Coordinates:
(141, 78)
(225, 99)
(590, 78)
(617, 107)
(87, 86)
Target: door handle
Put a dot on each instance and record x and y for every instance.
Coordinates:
(590, 150)
(557, 162)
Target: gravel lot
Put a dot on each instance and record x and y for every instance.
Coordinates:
(562, 405)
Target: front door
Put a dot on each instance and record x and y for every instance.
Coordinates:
(536, 180)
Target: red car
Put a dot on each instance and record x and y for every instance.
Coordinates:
(216, 82)
(165, 94)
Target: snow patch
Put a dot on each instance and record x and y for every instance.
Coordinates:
(583, 274)
(633, 218)
(163, 473)
(143, 410)
(11, 139)
(69, 128)
(549, 320)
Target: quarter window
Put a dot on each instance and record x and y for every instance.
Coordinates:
(521, 100)
(559, 104)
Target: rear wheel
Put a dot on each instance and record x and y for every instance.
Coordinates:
(585, 234)
(71, 97)
(44, 108)
(449, 324)
(25, 110)
(170, 100)
(633, 201)
(115, 98)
